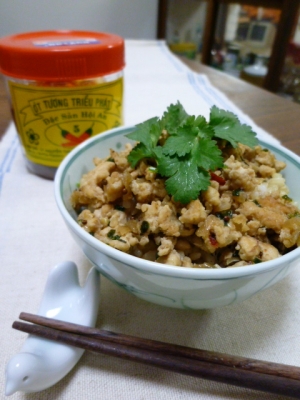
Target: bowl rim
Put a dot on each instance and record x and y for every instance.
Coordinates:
(151, 266)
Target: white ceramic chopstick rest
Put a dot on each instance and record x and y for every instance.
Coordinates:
(41, 363)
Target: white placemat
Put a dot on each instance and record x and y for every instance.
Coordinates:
(34, 238)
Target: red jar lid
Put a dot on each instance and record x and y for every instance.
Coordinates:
(61, 55)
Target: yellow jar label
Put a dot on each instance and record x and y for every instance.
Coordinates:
(51, 121)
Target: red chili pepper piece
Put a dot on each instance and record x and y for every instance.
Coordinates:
(213, 240)
(217, 178)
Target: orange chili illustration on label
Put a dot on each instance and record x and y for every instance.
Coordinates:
(75, 140)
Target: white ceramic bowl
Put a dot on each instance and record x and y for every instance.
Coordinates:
(185, 288)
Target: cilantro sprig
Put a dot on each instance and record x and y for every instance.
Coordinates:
(185, 149)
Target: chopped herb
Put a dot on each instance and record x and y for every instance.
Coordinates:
(152, 169)
(80, 209)
(257, 203)
(82, 222)
(144, 227)
(243, 160)
(295, 214)
(78, 185)
(236, 192)
(257, 260)
(112, 235)
(235, 253)
(266, 150)
(287, 198)
(225, 215)
(190, 151)
(110, 159)
(119, 207)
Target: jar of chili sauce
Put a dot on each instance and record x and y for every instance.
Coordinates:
(64, 87)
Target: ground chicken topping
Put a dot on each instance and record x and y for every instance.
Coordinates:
(226, 204)
(248, 219)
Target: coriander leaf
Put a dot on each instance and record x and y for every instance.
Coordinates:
(147, 135)
(207, 155)
(155, 132)
(181, 143)
(166, 166)
(217, 115)
(205, 130)
(236, 134)
(187, 136)
(138, 153)
(147, 132)
(227, 126)
(187, 182)
(189, 151)
(173, 117)
(242, 134)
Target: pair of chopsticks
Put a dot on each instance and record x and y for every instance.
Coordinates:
(244, 372)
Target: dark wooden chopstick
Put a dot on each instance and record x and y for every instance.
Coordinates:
(286, 371)
(248, 373)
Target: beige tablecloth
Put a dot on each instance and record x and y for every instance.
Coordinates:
(34, 239)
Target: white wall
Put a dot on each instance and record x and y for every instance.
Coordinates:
(132, 19)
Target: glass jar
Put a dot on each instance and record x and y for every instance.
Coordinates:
(64, 87)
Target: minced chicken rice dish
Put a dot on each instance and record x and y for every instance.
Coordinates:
(245, 215)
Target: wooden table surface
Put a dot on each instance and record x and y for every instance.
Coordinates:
(278, 116)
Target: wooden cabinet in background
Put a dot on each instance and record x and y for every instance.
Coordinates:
(289, 10)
